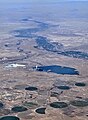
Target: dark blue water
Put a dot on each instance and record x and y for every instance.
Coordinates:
(25, 33)
(9, 118)
(31, 88)
(57, 69)
(41, 110)
(58, 104)
(80, 84)
(25, 19)
(70, 10)
(1, 105)
(74, 54)
(44, 43)
(29, 33)
(63, 87)
(41, 25)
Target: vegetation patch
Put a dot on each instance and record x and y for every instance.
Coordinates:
(79, 103)
(19, 109)
(30, 104)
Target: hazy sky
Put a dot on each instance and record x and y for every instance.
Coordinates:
(34, 1)
(38, 0)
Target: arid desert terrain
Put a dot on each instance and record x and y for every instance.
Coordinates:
(44, 61)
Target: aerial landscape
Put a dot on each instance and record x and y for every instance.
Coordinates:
(43, 60)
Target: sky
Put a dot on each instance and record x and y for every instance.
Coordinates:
(38, 0)
(12, 2)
